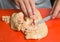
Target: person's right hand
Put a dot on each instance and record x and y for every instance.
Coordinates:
(56, 10)
(27, 6)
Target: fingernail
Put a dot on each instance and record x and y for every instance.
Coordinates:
(31, 16)
(34, 13)
(53, 17)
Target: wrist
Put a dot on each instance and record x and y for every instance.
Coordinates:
(58, 0)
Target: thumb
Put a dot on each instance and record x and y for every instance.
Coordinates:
(55, 13)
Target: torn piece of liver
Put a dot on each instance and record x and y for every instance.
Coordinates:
(30, 30)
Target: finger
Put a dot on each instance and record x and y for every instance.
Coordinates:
(23, 7)
(55, 13)
(17, 3)
(32, 3)
(28, 7)
(58, 16)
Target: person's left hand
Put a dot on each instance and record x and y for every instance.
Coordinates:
(27, 6)
(56, 10)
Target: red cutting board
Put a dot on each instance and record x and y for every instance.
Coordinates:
(8, 35)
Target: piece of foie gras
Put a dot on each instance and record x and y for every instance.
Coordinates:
(31, 31)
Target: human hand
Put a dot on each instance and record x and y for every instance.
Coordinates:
(27, 6)
(56, 10)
